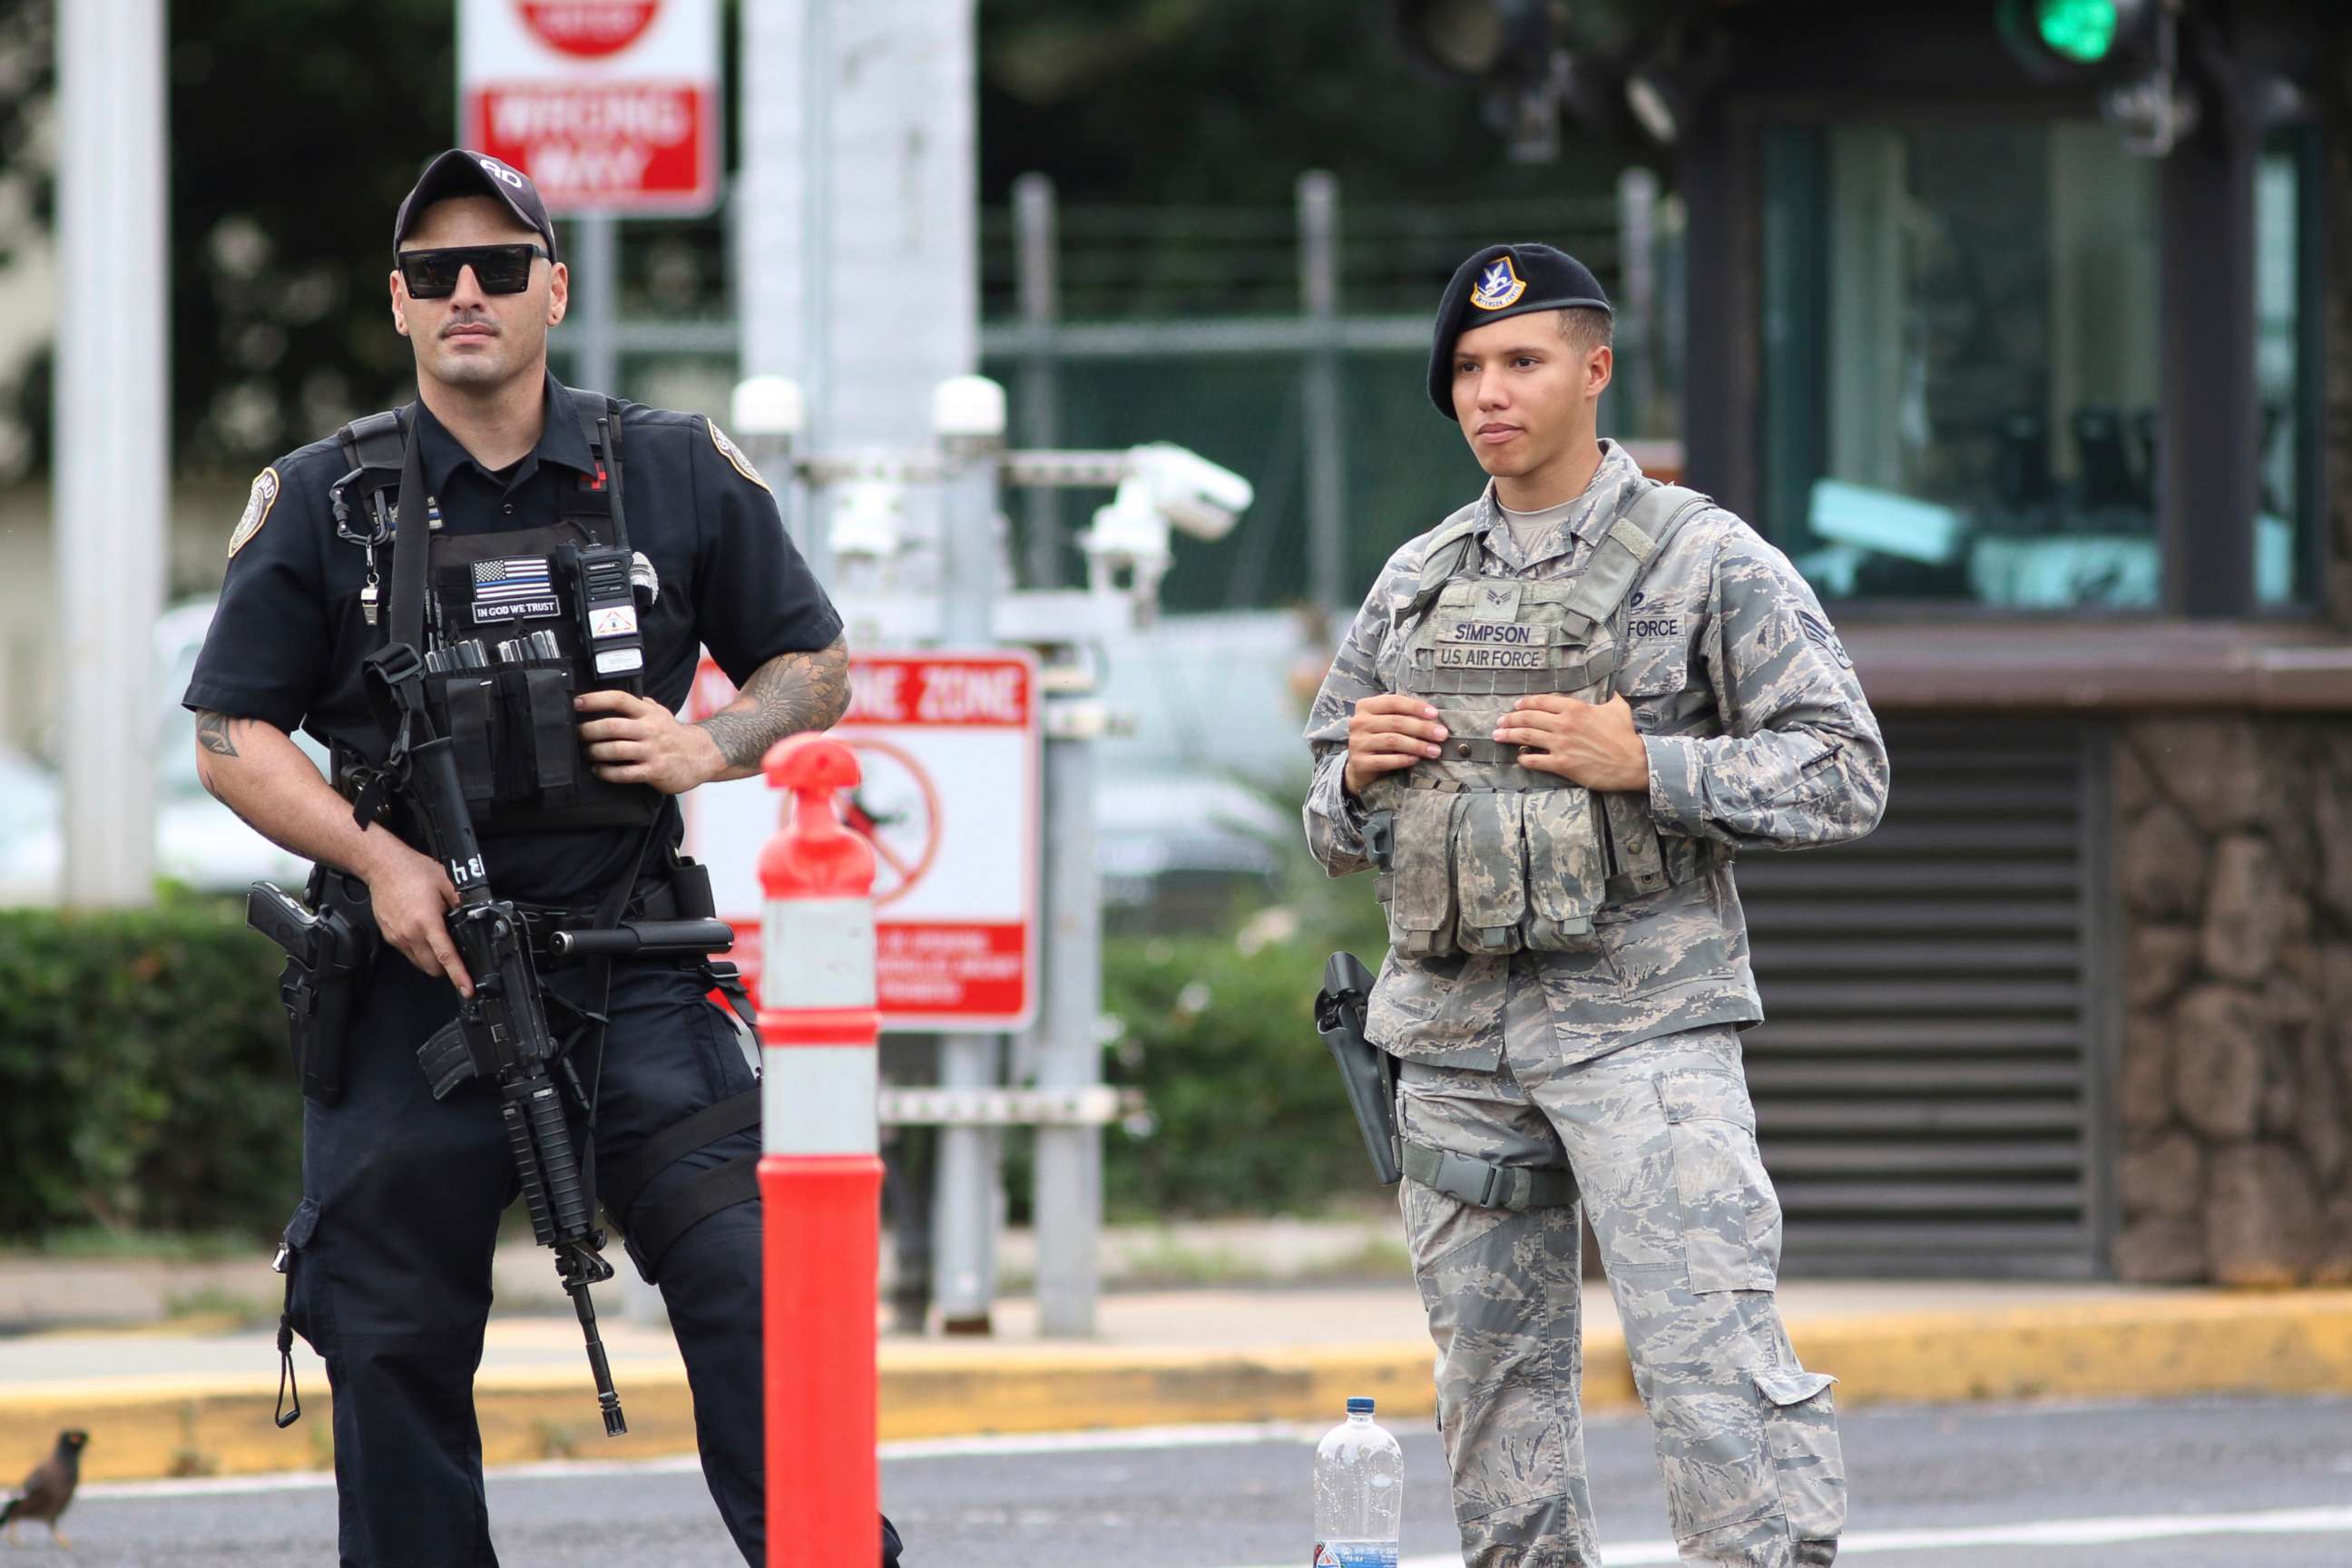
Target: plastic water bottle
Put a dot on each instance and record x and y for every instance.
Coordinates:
(1358, 1494)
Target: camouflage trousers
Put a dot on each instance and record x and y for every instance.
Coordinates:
(1662, 1139)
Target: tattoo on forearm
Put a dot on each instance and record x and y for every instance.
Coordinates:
(788, 694)
(215, 733)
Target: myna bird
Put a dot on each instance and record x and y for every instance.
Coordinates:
(49, 1488)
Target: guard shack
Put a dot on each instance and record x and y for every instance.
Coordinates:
(2040, 373)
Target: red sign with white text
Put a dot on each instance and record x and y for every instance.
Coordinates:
(948, 756)
(608, 105)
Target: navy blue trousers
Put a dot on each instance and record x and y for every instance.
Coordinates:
(389, 1272)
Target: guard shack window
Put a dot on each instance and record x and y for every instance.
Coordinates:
(2287, 542)
(1961, 345)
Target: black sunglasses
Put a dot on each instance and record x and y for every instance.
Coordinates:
(499, 269)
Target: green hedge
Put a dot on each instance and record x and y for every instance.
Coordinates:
(144, 1086)
(1243, 1109)
(143, 1078)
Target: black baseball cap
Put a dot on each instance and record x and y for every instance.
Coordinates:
(1505, 281)
(461, 173)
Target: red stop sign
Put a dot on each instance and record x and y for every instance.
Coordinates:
(589, 28)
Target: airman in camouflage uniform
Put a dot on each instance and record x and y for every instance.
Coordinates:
(1713, 709)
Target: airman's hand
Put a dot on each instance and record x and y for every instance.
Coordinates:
(1593, 744)
(1388, 733)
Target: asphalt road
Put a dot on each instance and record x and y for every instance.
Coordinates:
(2199, 1484)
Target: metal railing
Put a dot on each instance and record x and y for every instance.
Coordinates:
(1319, 310)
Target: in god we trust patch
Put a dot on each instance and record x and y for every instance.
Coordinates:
(257, 504)
(728, 450)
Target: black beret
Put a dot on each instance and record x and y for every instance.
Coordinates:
(1505, 281)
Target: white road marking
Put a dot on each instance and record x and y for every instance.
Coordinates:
(2031, 1533)
(1014, 1444)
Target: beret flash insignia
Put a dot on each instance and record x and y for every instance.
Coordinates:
(729, 450)
(257, 504)
(1498, 286)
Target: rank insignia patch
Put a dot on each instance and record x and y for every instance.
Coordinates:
(729, 450)
(1817, 632)
(257, 509)
(1498, 286)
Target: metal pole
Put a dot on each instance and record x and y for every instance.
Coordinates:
(968, 413)
(1327, 434)
(966, 1197)
(113, 438)
(968, 416)
(596, 259)
(817, 67)
(1068, 1183)
(1637, 231)
(1034, 224)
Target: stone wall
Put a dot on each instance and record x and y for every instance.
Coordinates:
(2234, 859)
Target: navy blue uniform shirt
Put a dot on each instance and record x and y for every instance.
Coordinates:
(286, 643)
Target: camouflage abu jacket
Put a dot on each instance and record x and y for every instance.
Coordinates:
(1758, 737)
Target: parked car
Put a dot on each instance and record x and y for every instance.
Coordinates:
(1198, 795)
(198, 841)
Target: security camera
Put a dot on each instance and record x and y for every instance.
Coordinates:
(1189, 490)
(1126, 548)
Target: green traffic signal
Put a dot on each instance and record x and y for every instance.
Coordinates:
(2079, 30)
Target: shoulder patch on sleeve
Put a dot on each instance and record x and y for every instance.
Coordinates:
(1817, 632)
(256, 509)
(729, 450)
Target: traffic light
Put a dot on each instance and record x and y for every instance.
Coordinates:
(2129, 49)
(1480, 38)
(1538, 58)
(2060, 40)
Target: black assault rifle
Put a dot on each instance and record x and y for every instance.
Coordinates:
(500, 1031)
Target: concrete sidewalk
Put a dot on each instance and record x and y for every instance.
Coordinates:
(177, 1400)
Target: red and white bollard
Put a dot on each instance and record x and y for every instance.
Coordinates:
(820, 1169)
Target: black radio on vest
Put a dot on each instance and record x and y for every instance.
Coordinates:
(606, 603)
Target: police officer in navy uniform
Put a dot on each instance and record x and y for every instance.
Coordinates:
(572, 756)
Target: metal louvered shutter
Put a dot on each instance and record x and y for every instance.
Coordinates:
(1928, 1084)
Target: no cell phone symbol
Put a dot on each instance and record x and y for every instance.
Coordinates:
(897, 806)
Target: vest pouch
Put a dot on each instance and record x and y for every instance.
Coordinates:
(464, 707)
(1490, 882)
(542, 706)
(1568, 872)
(1420, 900)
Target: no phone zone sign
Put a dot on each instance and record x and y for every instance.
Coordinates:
(608, 105)
(948, 750)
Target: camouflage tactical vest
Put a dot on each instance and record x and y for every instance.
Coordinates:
(1478, 855)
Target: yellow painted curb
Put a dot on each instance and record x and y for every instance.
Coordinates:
(2174, 1346)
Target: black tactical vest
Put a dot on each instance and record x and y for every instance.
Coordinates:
(512, 626)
